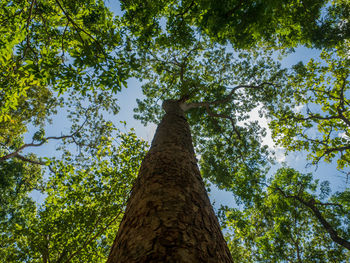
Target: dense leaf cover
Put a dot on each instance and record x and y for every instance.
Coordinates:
(282, 228)
(66, 58)
(84, 186)
(50, 48)
(281, 23)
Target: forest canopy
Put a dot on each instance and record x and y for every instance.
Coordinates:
(70, 60)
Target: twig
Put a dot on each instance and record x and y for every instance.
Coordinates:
(187, 9)
(227, 98)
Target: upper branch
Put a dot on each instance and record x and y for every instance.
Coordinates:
(228, 98)
(33, 144)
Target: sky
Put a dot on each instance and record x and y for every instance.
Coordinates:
(127, 102)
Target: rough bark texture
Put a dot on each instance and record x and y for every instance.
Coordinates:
(169, 217)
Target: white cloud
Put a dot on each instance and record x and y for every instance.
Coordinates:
(280, 155)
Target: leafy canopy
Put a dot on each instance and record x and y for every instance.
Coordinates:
(244, 24)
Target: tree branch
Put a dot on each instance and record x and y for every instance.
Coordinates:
(212, 114)
(341, 108)
(44, 140)
(311, 204)
(228, 98)
(186, 106)
(21, 157)
(187, 9)
(78, 28)
(27, 27)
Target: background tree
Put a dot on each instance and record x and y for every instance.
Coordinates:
(84, 190)
(59, 44)
(48, 48)
(286, 224)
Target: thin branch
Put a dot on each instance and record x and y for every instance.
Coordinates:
(228, 98)
(341, 108)
(213, 114)
(27, 27)
(187, 9)
(44, 140)
(21, 157)
(313, 117)
(338, 149)
(15, 153)
(64, 32)
(25, 159)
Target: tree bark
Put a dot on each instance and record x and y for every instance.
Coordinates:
(169, 217)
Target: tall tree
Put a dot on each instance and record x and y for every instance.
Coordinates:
(169, 217)
(169, 214)
(232, 156)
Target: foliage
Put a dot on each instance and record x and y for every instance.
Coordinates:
(68, 57)
(17, 180)
(49, 48)
(281, 228)
(84, 190)
(84, 201)
(243, 23)
(56, 43)
(312, 112)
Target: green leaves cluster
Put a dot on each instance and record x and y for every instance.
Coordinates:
(61, 44)
(281, 228)
(242, 23)
(84, 191)
(312, 113)
(84, 199)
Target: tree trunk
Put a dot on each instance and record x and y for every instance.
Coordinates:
(169, 217)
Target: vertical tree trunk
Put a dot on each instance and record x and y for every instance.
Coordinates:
(169, 217)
